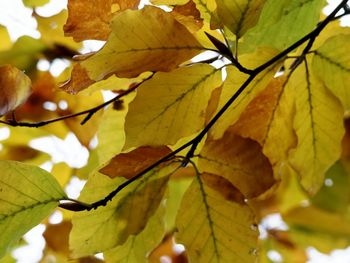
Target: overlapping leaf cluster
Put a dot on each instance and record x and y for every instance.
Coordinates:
(197, 153)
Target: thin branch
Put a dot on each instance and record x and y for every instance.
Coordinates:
(194, 142)
(89, 112)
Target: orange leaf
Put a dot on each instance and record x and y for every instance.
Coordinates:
(91, 19)
(131, 163)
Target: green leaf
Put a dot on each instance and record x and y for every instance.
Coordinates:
(334, 196)
(319, 127)
(312, 226)
(27, 195)
(137, 247)
(238, 16)
(282, 23)
(331, 64)
(215, 228)
(152, 46)
(170, 106)
(127, 214)
(35, 3)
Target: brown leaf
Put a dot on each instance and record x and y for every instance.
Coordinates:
(78, 81)
(240, 161)
(57, 236)
(223, 187)
(129, 164)
(15, 87)
(91, 19)
(188, 15)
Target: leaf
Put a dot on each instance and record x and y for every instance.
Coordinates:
(157, 43)
(127, 214)
(331, 64)
(56, 237)
(5, 39)
(319, 127)
(35, 3)
(137, 247)
(238, 16)
(130, 164)
(213, 228)
(268, 119)
(235, 80)
(282, 23)
(15, 88)
(328, 232)
(188, 15)
(334, 196)
(94, 22)
(110, 134)
(51, 30)
(27, 195)
(170, 106)
(243, 164)
(23, 53)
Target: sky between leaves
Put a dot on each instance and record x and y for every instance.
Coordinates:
(253, 144)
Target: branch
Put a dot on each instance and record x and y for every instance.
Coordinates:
(194, 142)
(89, 112)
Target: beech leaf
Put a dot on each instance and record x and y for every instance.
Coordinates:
(27, 195)
(214, 228)
(157, 43)
(15, 88)
(170, 106)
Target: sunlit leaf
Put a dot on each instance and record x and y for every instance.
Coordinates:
(15, 88)
(268, 119)
(130, 164)
(319, 127)
(244, 165)
(214, 228)
(34, 3)
(94, 21)
(332, 65)
(56, 237)
(282, 23)
(127, 214)
(5, 38)
(170, 106)
(152, 46)
(233, 82)
(27, 195)
(137, 247)
(238, 16)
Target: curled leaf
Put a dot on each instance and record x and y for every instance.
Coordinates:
(15, 87)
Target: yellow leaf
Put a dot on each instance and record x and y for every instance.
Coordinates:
(143, 40)
(5, 39)
(319, 127)
(170, 106)
(238, 160)
(234, 81)
(27, 195)
(238, 15)
(94, 21)
(51, 30)
(331, 64)
(130, 164)
(110, 134)
(213, 228)
(127, 214)
(15, 88)
(268, 119)
(137, 247)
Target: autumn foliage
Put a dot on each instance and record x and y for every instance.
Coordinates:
(191, 150)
